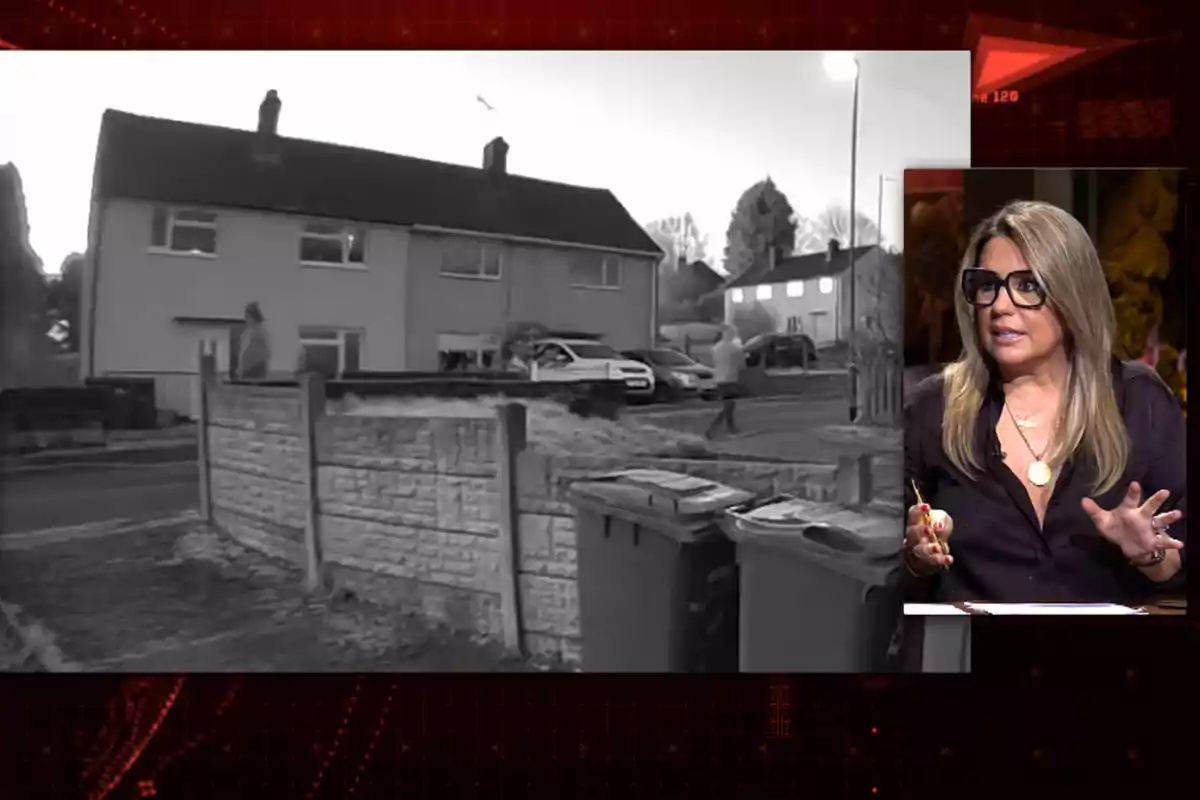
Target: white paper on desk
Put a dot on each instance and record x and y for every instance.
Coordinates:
(1054, 609)
(933, 610)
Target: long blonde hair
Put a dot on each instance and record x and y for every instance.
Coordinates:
(1060, 253)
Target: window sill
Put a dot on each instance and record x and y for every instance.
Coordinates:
(331, 265)
(456, 276)
(166, 251)
(596, 288)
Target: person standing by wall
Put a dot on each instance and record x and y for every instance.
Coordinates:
(254, 356)
(728, 358)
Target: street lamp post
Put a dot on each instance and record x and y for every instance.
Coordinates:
(841, 67)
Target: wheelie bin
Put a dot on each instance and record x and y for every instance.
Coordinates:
(657, 576)
(819, 586)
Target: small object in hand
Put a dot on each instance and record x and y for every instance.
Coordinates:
(927, 521)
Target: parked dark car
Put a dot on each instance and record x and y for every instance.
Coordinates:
(781, 350)
(677, 376)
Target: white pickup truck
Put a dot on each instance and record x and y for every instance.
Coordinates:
(576, 360)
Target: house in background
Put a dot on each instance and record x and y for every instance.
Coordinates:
(358, 259)
(700, 275)
(689, 291)
(810, 294)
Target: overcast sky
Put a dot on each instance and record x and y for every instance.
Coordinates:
(667, 132)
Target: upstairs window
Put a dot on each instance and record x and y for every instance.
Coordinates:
(595, 270)
(468, 258)
(182, 230)
(330, 244)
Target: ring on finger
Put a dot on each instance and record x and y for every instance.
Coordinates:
(1159, 525)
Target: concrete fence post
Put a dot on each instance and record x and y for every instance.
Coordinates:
(896, 373)
(511, 439)
(207, 380)
(874, 389)
(854, 480)
(312, 410)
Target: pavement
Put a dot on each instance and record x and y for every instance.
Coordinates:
(67, 494)
(119, 449)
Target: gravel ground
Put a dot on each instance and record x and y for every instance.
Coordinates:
(181, 597)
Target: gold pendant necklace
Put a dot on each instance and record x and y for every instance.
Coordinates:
(1039, 472)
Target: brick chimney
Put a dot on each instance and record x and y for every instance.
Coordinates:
(495, 156)
(835, 247)
(266, 146)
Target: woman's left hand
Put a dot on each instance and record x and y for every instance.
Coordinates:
(1136, 527)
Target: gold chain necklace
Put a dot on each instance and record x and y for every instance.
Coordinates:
(1039, 472)
(1023, 421)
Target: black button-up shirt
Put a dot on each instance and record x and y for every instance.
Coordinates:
(1001, 554)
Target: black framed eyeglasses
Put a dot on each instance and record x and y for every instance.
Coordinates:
(982, 286)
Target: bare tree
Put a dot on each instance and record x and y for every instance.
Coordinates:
(681, 292)
(813, 234)
(880, 286)
(679, 237)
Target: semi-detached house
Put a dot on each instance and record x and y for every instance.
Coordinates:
(362, 259)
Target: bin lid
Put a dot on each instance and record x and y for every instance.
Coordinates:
(864, 546)
(675, 503)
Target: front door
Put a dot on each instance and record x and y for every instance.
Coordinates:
(216, 343)
(219, 344)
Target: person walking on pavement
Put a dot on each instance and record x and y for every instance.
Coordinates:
(728, 358)
(254, 356)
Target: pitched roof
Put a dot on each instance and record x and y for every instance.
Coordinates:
(706, 274)
(180, 162)
(799, 268)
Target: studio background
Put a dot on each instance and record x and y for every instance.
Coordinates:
(1136, 218)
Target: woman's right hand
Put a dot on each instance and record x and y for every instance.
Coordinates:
(922, 541)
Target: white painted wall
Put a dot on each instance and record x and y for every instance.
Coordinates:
(534, 286)
(141, 292)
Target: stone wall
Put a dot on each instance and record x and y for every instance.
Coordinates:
(256, 467)
(448, 518)
(410, 512)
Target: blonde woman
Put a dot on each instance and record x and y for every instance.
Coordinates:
(1050, 471)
